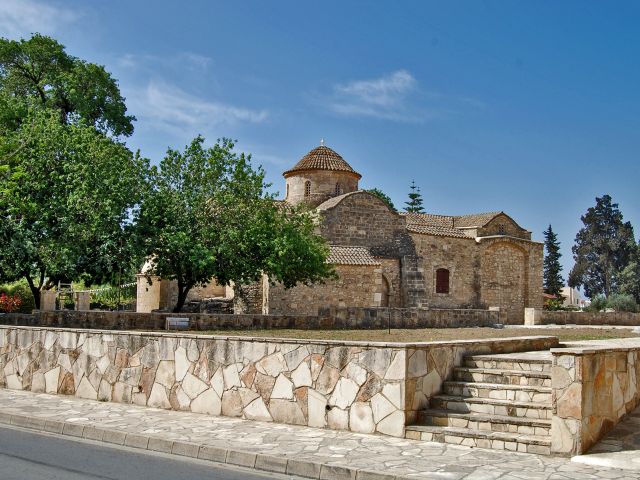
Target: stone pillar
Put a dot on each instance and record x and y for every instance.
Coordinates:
(82, 300)
(147, 294)
(533, 316)
(265, 294)
(48, 300)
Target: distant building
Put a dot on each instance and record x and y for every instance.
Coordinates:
(572, 297)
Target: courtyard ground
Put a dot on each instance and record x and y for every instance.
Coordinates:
(435, 334)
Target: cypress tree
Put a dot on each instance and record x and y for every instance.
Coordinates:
(553, 281)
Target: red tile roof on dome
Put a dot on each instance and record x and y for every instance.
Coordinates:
(322, 158)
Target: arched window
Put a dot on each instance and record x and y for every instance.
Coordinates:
(307, 188)
(338, 189)
(442, 280)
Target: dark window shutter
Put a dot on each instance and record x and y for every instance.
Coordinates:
(442, 280)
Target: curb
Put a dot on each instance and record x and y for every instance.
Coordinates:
(235, 457)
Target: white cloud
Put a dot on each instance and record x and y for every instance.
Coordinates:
(179, 61)
(171, 109)
(384, 97)
(21, 18)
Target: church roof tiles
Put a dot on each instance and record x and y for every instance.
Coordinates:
(342, 255)
(446, 225)
(322, 158)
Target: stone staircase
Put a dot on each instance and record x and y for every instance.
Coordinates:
(494, 401)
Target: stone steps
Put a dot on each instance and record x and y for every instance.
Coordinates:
(499, 391)
(510, 377)
(508, 408)
(482, 439)
(499, 401)
(485, 422)
(512, 362)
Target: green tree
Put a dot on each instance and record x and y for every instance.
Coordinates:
(415, 199)
(39, 73)
(66, 196)
(382, 196)
(553, 281)
(630, 276)
(622, 302)
(208, 217)
(602, 249)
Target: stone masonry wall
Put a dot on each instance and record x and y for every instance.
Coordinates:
(590, 318)
(503, 225)
(354, 386)
(362, 219)
(327, 318)
(323, 186)
(593, 388)
(459, 256)
(356, 286)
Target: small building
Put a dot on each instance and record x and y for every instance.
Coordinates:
(572, 298)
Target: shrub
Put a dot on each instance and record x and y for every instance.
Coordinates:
(9, 303)
(622, 302)
(553, 304)
(598, 303)
(22, 290)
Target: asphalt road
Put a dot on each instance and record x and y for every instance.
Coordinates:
(32, 456)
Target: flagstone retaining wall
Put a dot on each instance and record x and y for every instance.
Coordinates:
(357, 386)
(594, 385)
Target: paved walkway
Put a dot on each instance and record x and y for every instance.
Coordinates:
(281, 448)
(620, 448)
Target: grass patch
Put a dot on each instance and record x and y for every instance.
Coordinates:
(430, 334)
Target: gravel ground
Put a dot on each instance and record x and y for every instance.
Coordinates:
(432, 334)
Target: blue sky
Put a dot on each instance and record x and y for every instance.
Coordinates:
(528, 107)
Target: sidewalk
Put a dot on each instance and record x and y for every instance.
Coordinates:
(302, 451)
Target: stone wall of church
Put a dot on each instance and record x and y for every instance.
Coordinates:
(503, 225)
(459, 256)
(511, 276)
(362, 219)
(323, 186)
(357, 286)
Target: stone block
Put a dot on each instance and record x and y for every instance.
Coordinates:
(271, 463)
(303, 468)
(136, 441)
(186, 449)
(213, 454)
(73, 429)
(241, 459)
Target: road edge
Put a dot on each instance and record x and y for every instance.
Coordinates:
(226, 456)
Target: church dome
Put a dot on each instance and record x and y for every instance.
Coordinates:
(322, 158)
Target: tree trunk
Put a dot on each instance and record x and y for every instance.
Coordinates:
(183, 290)
(35, 291)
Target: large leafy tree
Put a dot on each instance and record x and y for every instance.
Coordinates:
(553, 281)
(66, 197)
(208, 217)
(414, 204)
(39, 73)
(602, 249)
(630, 276)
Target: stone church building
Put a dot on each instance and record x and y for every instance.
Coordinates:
(385, 258)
